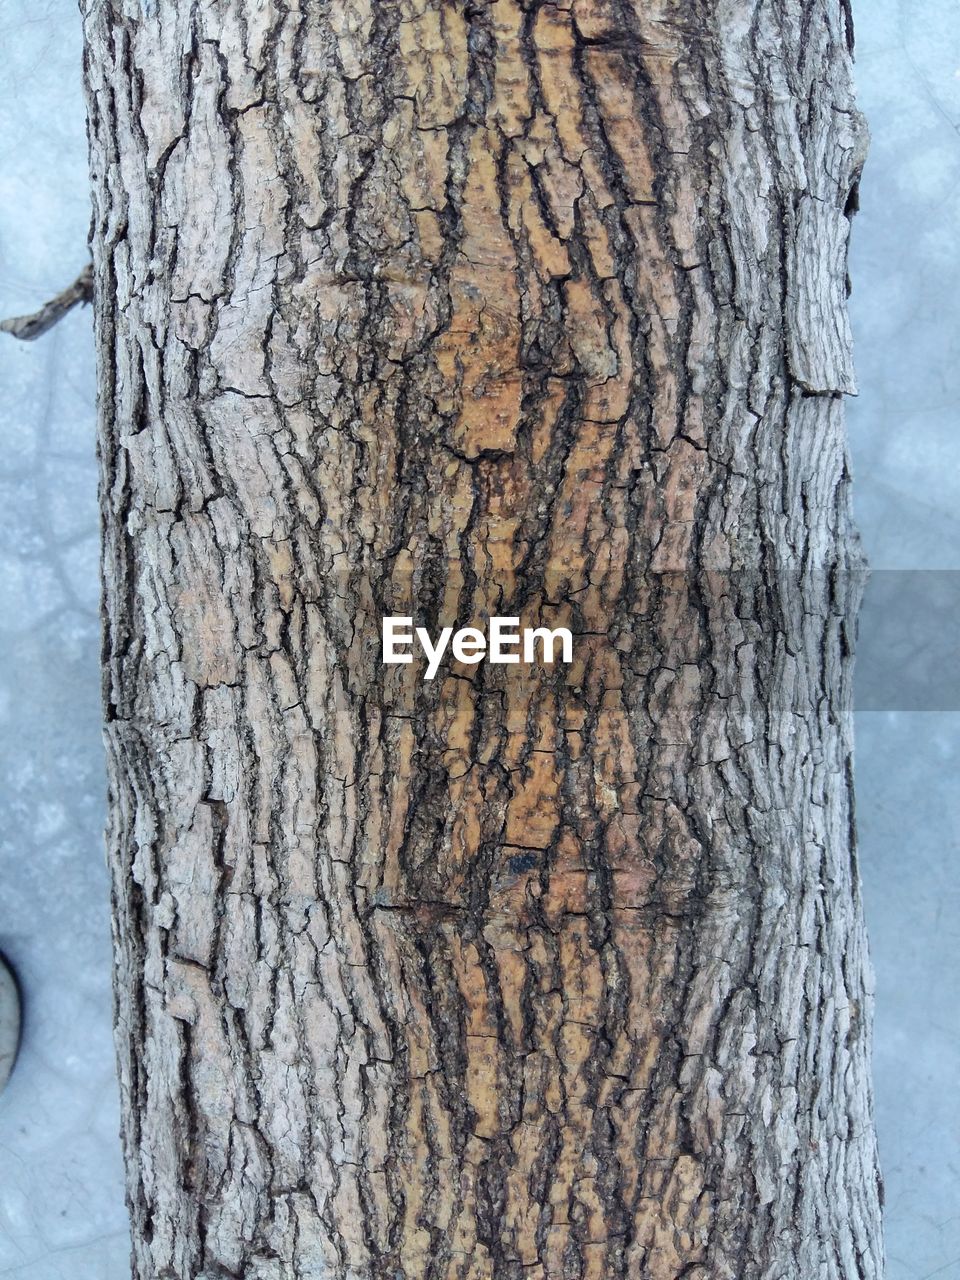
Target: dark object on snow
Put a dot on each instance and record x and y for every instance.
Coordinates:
(30, 327)
(9, 1022)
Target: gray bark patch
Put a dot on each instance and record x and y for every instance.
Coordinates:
(821, 343)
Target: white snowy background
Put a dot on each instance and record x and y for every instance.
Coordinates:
(61, 1199)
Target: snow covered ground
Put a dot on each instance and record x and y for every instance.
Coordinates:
(905, 440)
(61, 1200)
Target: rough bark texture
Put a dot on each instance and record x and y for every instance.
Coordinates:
(450, 309)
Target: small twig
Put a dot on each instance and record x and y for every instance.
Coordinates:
(30, 327)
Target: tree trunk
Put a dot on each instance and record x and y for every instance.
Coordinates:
(451, 309)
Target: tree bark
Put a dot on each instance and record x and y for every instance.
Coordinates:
(450, 309)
